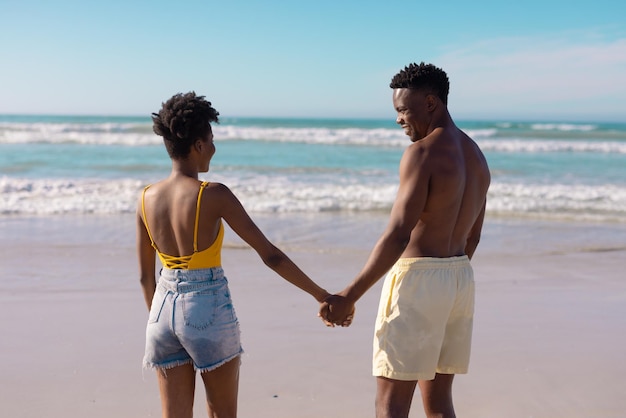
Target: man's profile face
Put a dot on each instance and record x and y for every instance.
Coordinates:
(412, 112)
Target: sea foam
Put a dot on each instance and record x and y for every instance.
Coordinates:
(284, 195)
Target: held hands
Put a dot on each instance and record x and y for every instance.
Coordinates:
(336, 310)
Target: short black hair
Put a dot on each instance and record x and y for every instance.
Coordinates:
(182, 120)
(427, 76)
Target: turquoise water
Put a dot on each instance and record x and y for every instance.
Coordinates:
(98, 164)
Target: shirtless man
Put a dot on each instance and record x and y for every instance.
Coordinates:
(424, 324)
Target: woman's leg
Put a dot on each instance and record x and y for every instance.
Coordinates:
(177, 386)
(222, 385)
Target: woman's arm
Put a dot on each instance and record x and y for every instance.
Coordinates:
(146, 256)
(231, 210)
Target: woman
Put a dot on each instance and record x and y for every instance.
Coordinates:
(192, 325)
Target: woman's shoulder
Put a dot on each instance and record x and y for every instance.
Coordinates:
(220, 194)
(214, 185)
(151, 188)
(216, 189)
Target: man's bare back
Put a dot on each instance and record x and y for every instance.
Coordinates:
(458, 182)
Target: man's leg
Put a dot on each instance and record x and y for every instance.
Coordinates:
(437, 396)
(393, 397)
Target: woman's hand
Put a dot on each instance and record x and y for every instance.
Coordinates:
(337, 310)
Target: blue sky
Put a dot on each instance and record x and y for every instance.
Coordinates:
(551, 60)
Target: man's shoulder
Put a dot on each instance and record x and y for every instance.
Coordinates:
(444, 134)
(440, 140)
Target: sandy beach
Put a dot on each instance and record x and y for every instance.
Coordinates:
(549, 337)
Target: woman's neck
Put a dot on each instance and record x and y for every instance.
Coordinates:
(183, 169)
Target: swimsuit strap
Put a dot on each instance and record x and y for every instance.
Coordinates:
(145, 220)
(195, 230)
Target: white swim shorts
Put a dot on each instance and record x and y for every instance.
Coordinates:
(425, 318)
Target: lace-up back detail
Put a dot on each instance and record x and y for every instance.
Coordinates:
(210, 257)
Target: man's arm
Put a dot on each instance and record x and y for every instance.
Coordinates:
(415, 174)
(474, 235)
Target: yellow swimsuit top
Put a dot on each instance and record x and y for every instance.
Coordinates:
(211, 257)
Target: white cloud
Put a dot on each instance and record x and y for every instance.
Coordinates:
(552, 75)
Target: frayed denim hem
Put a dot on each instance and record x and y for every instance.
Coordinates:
(163, 367)
(221, 363)
(176, 363)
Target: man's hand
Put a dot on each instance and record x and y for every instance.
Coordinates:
(336, 310)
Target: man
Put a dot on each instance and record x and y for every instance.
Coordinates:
(424, 324)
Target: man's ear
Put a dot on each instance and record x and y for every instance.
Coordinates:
(431, 102)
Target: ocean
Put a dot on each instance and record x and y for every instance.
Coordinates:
(98, 165)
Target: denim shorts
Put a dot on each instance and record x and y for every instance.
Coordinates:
(192, 320)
